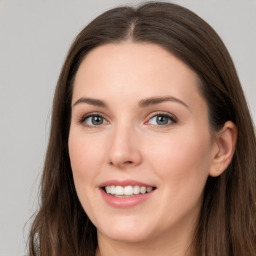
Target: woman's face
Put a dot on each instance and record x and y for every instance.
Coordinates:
(139, 124)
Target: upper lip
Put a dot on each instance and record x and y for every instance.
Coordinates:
(124, 183)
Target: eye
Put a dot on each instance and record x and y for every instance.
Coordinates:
(162, 120)
(93, 120)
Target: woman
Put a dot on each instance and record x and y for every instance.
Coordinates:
(152, 148)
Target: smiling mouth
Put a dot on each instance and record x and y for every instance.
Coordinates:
(127, 191)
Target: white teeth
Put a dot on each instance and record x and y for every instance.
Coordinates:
(136, 190)
(119, 190)
(127, 190)
(149, 189)
(143, 190)
(113, 190)
(108, 189)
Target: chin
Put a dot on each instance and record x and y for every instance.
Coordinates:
(125, 232)
(127, 237)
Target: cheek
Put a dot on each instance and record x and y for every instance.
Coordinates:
(85, 157)
(85, 160)
(183, 160)
(182, 163)
(186, 147)
(84, 154)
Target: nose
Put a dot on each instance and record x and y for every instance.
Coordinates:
(124, 148)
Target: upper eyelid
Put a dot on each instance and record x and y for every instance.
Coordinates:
(159, 113)
(90, 114)
(172, 120)
(94, 113)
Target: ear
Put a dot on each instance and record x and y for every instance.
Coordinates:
(225, 143)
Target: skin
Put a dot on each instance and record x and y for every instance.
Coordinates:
(176, 158)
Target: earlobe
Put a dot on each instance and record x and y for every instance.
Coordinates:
(225, 147)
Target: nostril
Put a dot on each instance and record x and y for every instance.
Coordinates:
(124, 163)
(128, 162)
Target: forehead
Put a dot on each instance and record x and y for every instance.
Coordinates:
(138, 69)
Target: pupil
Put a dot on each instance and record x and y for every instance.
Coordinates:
(97, 120)
(162, 120)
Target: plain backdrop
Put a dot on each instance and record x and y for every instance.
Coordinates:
(34, 38)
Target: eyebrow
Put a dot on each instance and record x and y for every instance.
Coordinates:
(157, 100)
(142, 103)
(90, 101)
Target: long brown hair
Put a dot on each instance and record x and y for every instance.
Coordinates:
(227, 221)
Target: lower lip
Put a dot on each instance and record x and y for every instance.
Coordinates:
(124, 202)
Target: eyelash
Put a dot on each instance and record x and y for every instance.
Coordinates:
(172, 119)
(93, 114)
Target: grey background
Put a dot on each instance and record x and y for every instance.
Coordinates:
(34, 38)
